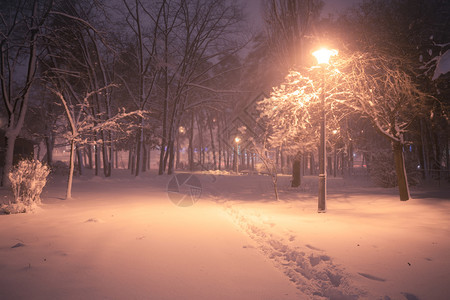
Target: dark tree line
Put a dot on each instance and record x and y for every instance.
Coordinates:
(88, 62)
(176, 64)
(402, 38)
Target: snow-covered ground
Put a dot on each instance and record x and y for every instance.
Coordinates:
(123, 238)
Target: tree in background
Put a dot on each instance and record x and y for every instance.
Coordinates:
(21, 28)
(388, 96)
(415, 31)
(288, 23)
(369, 84)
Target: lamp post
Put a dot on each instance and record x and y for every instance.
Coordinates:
(237, 140)
(323, 57)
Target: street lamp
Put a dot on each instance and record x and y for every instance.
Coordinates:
(237, 140)
(323, 56)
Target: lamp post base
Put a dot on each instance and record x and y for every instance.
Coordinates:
(322, 193)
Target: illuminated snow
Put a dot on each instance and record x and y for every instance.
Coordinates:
(122, 238)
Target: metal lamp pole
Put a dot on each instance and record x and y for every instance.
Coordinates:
(237, 140)
(322, 207)
(323, 57)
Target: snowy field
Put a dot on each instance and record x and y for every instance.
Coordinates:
(123, 238)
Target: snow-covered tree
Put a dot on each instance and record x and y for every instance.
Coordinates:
(262, 148)
(417, 31)
(370, 84)
(87, 63)
(289, 24)
(20, 32)
(82, 123)
(388, 97)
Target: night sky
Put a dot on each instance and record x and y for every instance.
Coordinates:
(331, 6)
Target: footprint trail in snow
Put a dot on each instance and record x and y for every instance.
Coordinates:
(312, 271)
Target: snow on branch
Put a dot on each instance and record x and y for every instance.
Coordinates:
(442, 65)
(87, 24)
(373, 86)
(84, 124)
(215, 90)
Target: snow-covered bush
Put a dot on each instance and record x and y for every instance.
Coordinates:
(27, 179)
(382, 170)
(60, 168)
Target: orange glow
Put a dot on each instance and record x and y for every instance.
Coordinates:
(237, 139)
(323, 55)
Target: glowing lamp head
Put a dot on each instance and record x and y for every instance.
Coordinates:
(181, 129)
(323, 55)
(237, 139)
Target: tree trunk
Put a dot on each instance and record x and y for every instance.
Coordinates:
(168, 153)
(177, 156)
(296, 179)
(424, 156)
(191, 145)
(49, 142)
(277, 157)
(96, 158)
(312, 168)
(213, 148)
(132, 160)
(253, 161)
(400, 170)
(149, 158)
(71, 168)
(219, 140)
(161, 158)
(106, 159)
(329, 165)
(10, 142)
(144, 157)
(350, 160)
(335, 160)
(17, 108)
(171, 158)
(305, 163)
(138, 153)
(79, 160)
(89, 155)
(235, 159)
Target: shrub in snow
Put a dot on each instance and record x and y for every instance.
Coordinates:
(60, 168)
(382, 170)
(28, 179)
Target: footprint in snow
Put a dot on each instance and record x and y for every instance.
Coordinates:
(409, 296)
(92, 220)
(372, 277)
(315, 260)
(18, 245)
(313, 248)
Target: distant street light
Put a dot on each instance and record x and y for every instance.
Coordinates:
(237, 140)
(323, 56)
